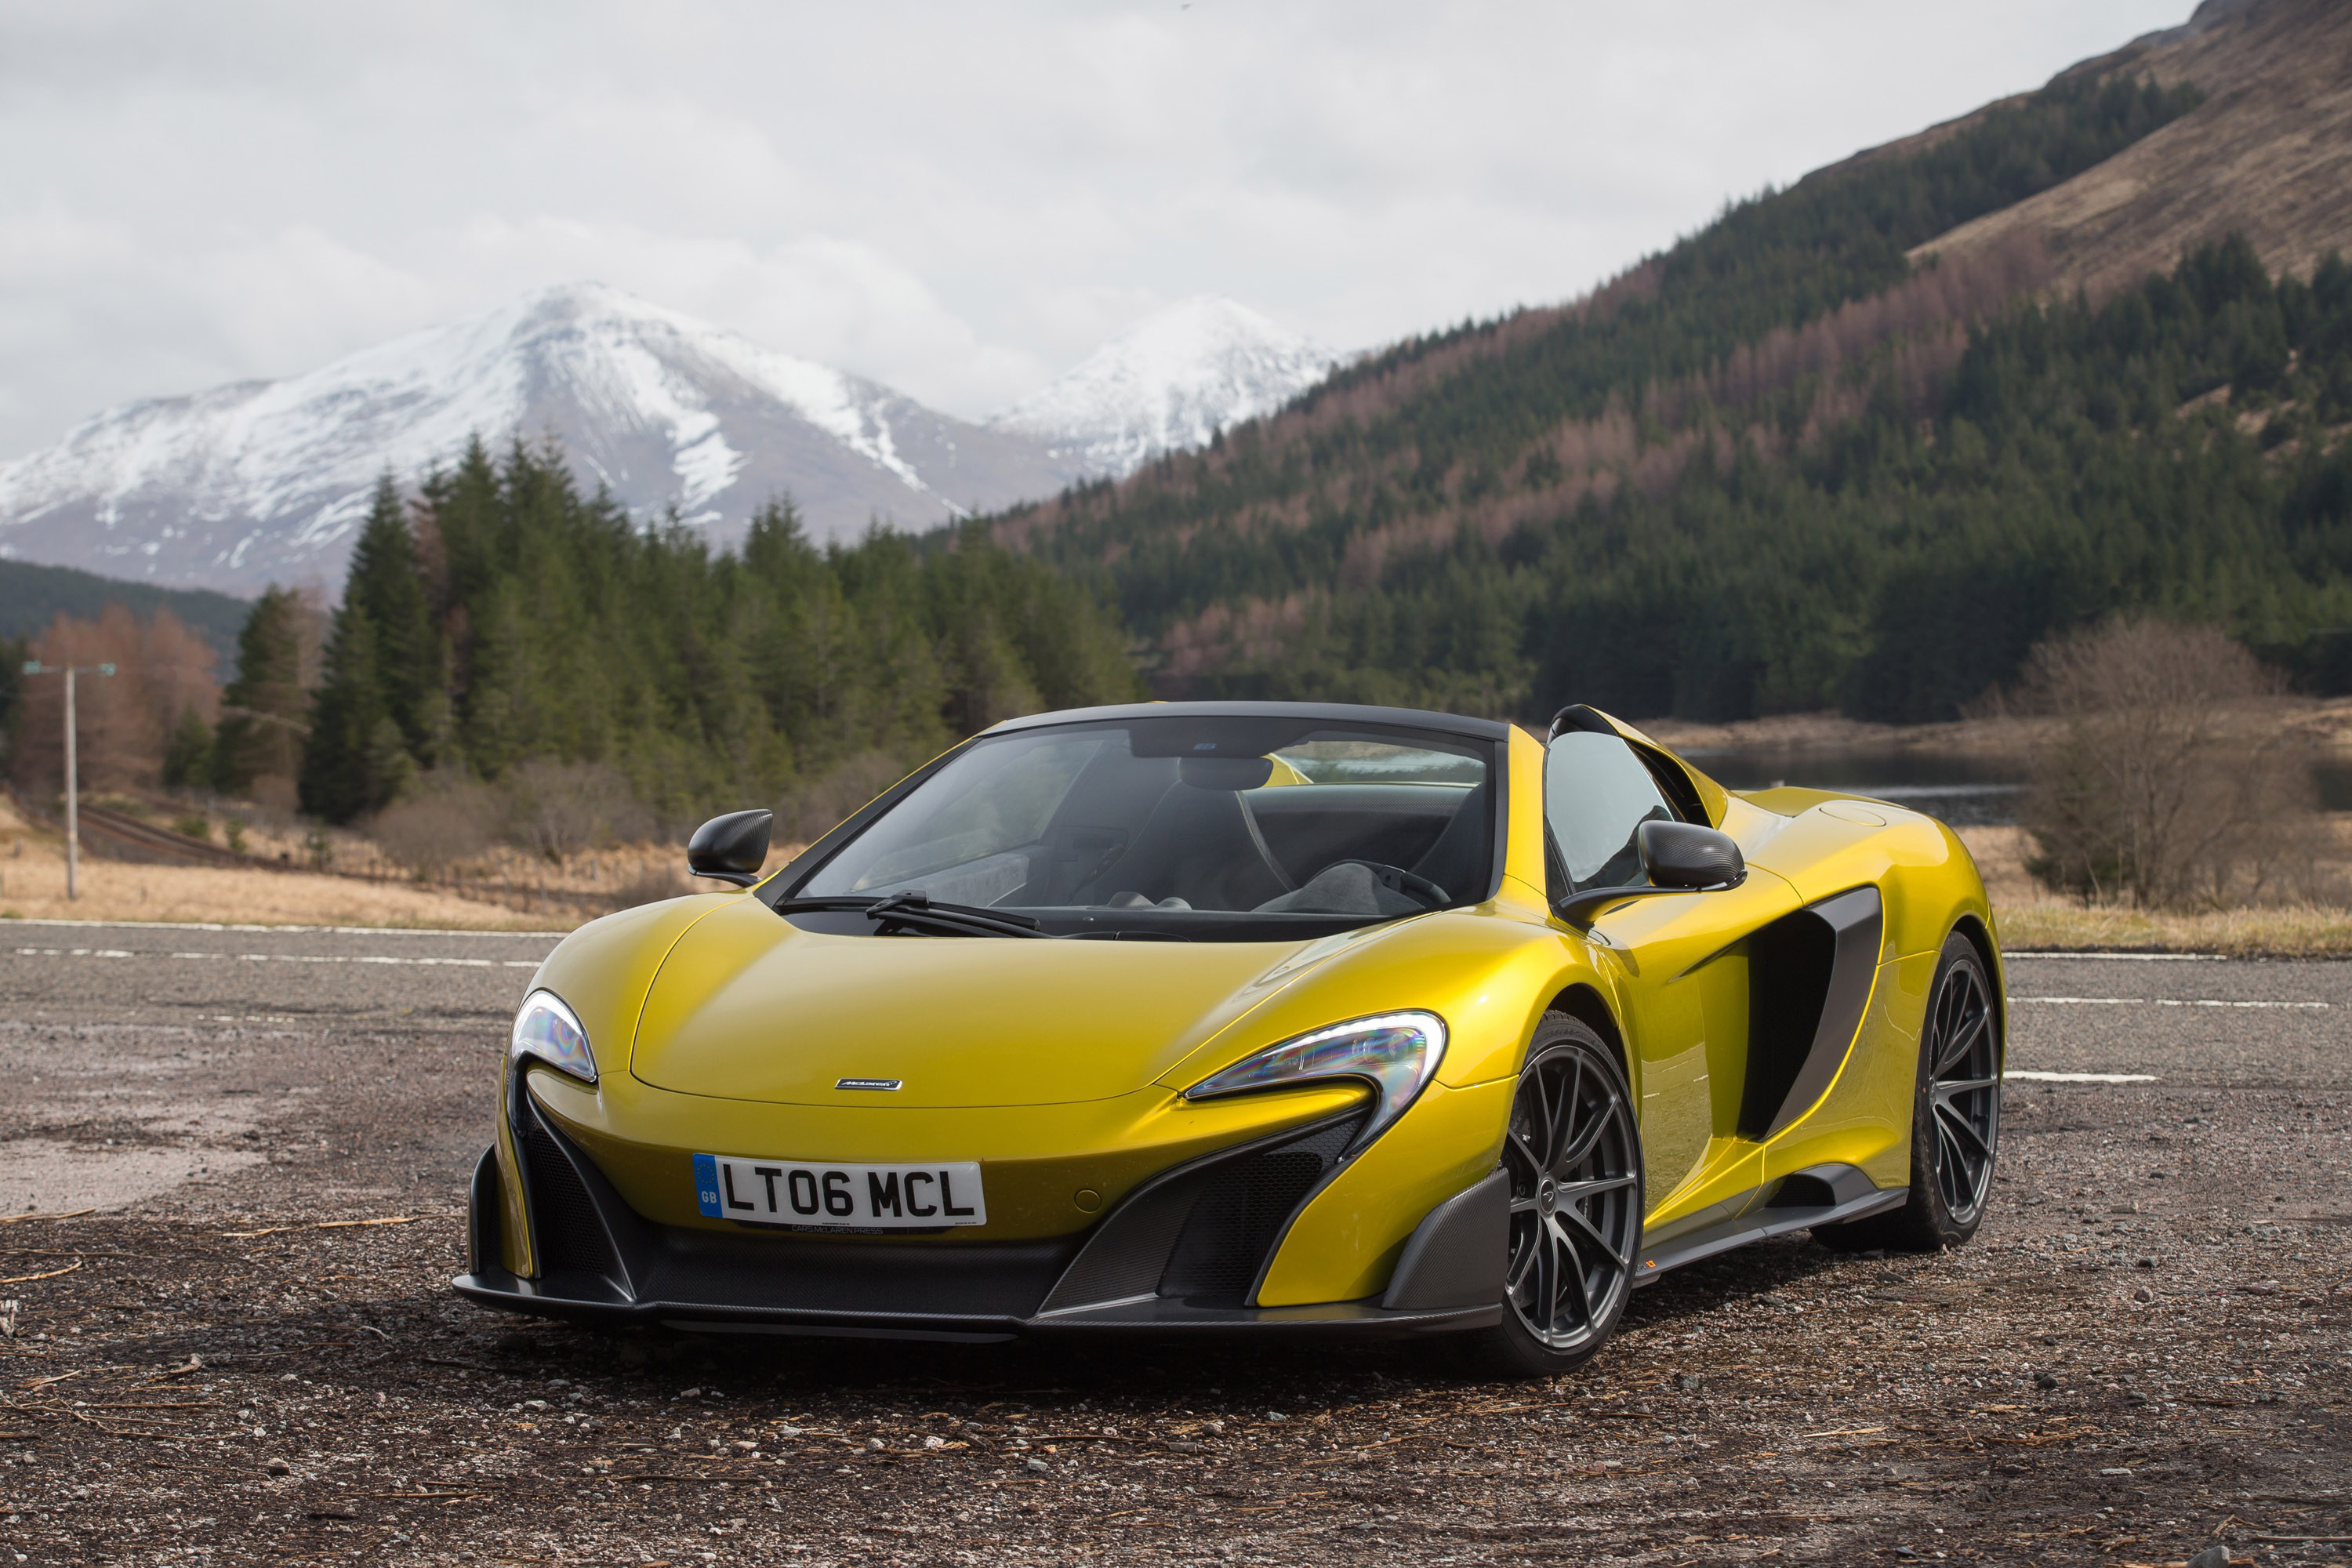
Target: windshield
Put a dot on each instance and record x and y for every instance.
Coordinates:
(1234, 828)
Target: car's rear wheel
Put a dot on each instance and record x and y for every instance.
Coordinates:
(1955, 1117)
(1574, 1155)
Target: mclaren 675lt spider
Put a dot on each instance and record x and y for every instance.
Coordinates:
(1255, 1019)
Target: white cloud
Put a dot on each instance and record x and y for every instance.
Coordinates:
(956, 200)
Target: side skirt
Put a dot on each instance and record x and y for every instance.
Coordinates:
(1838, 1184)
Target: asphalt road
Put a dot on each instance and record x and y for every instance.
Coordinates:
(2147, 1349)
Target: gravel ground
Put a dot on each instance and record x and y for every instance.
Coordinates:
(2144, 1354)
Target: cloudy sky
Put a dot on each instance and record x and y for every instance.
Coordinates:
(959, 200)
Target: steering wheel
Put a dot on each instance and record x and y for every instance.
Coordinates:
(1396, 879)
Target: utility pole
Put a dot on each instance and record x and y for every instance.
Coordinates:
(73, 769)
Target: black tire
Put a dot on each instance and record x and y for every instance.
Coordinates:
(1574, 1152)
(1955, 1117)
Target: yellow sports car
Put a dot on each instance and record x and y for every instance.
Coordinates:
(1252, 1017)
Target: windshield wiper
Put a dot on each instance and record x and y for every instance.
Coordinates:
(915, 911)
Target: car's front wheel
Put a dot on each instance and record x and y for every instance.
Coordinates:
(1574, 1154)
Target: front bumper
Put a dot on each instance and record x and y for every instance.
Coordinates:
(1183, 1254)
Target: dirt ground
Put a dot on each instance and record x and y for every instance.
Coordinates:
(2144, 1352)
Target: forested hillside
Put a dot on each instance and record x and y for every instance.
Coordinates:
(1781, 466)
(32, 597)
(506, 616)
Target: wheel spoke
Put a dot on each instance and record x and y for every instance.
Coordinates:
(1523, 1205)
(1526, 1260)
(1576, 1192)
(1563, 1119)
(1564, 1250)
(1543, 1124)
(1960, 1042)
(1951, 1159)
(1958, 1124)
(1950, 1088)
(1576, 1219)
(1547, 1288)
(1571, 1158)
(1516, 1143)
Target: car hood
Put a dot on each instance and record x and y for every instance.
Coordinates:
(747, 1005)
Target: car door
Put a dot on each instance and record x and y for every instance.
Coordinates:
(1683, 971)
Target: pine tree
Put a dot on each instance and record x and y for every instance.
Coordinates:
(262, 710)
(188, 754)
(344, 765)
(386, 581)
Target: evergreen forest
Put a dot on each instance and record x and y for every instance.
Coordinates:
(504, 616)
(1786, 465)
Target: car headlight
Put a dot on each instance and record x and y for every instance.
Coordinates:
(1396, 1053)
(548, 1031)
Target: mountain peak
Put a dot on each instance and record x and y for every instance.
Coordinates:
(1171, 382)
(237, 485)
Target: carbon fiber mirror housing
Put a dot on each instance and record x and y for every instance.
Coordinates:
(1685, 854)
(732, 848)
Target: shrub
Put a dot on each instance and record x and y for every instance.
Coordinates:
(444, 820)
(558, 809)
(2167, 781)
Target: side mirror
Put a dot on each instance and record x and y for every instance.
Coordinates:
(1685, 854)
(1677, 858)
(732, 848)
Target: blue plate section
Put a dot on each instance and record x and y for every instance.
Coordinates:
(705, 1185)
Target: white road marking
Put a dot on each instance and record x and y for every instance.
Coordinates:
(2079, 1076)
(2158, 1002)
(2129, 957)
(284, 957)
(295, 931)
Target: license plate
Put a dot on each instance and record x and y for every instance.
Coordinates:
(839, 1197)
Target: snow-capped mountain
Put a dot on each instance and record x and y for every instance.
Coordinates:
(1167, 383)
(261, 481)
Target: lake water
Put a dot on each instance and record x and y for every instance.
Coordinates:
(1967, 791)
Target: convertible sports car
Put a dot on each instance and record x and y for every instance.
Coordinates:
(1256, 1018)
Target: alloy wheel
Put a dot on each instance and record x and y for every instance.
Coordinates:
(1963, 1090)
(1576, 1219)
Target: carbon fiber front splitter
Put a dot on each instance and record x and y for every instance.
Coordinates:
(597, 1302)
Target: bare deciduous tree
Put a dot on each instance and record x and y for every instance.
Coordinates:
(2169, 781)
(558, 809)
(444, 819)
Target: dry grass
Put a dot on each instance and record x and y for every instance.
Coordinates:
(33, 887)
(515, 891)
(2290, 930)
(2033, 919)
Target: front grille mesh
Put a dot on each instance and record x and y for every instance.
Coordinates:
(569, 1237)
(1243, 1208)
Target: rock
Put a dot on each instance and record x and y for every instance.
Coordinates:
(277, 1467)
(2115, 1470)
(2144, 1263)
(2143, 1294)
(2211, 1557)
(1686, 1382)
(874, 1445)
(2045, 1380)
(1185, 1445)
(1034, 1463)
